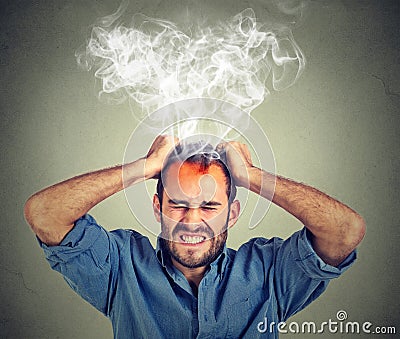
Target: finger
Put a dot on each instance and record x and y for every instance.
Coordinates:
(221, 146)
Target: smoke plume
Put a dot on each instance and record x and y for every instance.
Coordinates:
(154, 62)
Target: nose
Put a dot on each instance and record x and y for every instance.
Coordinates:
(192, 216)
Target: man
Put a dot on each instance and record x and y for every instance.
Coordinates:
(192, 285)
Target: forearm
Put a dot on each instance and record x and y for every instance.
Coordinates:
(52, 212)
(336, 228)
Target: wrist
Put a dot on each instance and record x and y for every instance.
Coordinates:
(138, 171)
(151, 168)
(243, 178)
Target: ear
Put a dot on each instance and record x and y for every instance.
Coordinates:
(157, 207)
(234, 212)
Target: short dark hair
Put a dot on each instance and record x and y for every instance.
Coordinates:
(202, 154)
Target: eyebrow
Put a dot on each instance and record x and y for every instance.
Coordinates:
(203, 203)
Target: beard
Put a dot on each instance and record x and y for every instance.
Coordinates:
(189, 259)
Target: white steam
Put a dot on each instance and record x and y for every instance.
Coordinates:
(155, 63)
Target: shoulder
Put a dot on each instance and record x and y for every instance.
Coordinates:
(261, 244)
(257, 249)
(127, 234)
(88, 230)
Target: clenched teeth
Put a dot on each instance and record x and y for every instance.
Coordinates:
(192, 240)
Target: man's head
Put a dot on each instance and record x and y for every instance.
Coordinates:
(195, 204)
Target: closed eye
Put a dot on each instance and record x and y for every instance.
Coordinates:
(179, 207)
(208, 208)
(177, 204)
(183, 205)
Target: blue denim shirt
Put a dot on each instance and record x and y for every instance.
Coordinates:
(145, 296)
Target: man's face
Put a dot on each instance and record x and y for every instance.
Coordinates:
(195, 213)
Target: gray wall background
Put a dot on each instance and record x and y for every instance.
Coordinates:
(336, 129)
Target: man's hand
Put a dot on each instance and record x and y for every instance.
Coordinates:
(238, 160)
(157, 153)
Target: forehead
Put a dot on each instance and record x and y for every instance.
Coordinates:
(190, 182)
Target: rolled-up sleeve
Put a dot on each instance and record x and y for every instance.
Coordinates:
(309, 261)
(300, 274)
(86, 259)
